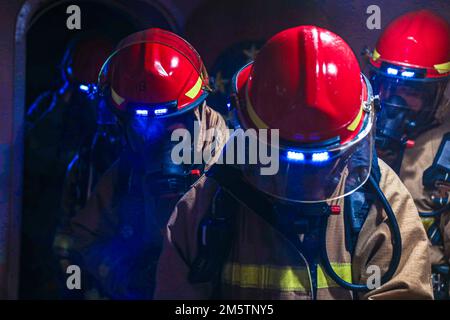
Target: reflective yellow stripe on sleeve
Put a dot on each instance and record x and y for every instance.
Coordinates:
(343, 270)
(280, 278)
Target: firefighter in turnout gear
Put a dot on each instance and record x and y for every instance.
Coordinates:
(55, 126)
(410, 69)
(312, 229)
(95, 155)
(155, 83)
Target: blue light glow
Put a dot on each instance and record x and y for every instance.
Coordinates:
(296, 156)
(392, 71)
(320, 157)
(84, 87)
(141, 112)
(160, 112)
(408, 74)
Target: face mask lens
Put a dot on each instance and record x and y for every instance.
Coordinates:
(408, 105)
(146, 132)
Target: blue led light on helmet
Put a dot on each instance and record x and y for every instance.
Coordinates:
(315, 157)
(156, 112)
(403, 71)
(89, 89)
(392, 71)
(295, 156)
(84, 87)
(141, 112)
(320, 157)
(408, 74)
(153, 109)
(160, 112)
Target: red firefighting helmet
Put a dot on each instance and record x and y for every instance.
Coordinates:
(155, 73)
(154, 81)
(416, 40)
(84, 58)
(306, 82)
(410, 71)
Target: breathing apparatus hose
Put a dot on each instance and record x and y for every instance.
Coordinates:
(396, 252)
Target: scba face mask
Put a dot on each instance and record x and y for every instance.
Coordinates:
(408, 106)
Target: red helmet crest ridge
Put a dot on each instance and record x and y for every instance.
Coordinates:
(307, 83)
(155, 68)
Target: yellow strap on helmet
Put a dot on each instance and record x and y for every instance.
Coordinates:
(443, 67)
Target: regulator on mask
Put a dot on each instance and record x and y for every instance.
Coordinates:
(149, 138)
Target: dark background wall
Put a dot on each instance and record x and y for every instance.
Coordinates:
(216, 24)
(48, 31)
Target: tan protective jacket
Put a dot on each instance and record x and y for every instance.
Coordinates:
(99, 219)
(263, 265)
(416, 160)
